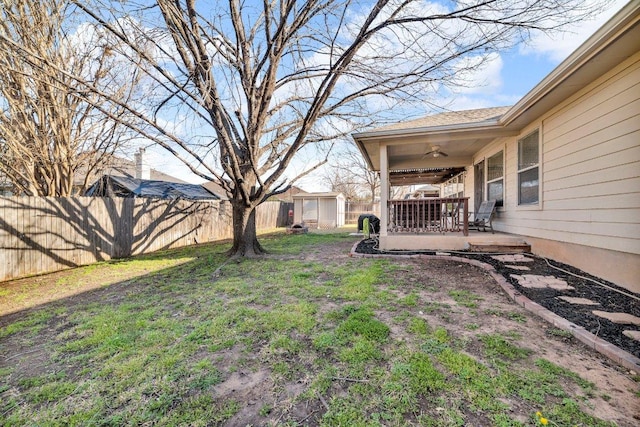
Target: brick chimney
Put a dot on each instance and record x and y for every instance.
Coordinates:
(143, 171)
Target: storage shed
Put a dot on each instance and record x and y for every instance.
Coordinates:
(319, 210)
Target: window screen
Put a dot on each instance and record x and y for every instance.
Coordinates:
(529, 187)
(528, 151)
(495, 181)
(529, 170)
(495, 167)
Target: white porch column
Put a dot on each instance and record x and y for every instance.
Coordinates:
(384, 190)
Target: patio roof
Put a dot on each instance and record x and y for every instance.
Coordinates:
(459, 134)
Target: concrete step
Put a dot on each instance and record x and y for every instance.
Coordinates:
(510, 247)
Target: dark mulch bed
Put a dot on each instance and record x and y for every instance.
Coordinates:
(609, 297)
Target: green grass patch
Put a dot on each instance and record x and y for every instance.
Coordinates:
(495, 345)
(465, 298)
(512, 315)
(361, 322)
(33, 323)
(568, 413)
(560, 333)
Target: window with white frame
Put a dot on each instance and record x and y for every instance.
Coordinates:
(495, 178)
(529, 169)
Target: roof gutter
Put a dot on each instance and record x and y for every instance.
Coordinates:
(488, 126)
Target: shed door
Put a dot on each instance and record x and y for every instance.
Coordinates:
(310, 211)
(327, 213)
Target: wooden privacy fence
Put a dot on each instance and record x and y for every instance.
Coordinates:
(353, 210)
(44, 234)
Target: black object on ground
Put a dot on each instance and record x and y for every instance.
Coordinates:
(374, 223)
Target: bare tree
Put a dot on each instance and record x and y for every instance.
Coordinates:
(243, 87)
(342, 181)
(49, 124)
(349, 174)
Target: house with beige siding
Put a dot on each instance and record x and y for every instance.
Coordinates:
(563, 164)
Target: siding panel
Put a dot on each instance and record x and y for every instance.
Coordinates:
(618, 187)
(586, 177)
(609, 90)
(601, 214)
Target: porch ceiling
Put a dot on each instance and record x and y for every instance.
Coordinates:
(407, 151)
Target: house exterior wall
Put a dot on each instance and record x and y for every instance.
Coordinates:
(590, 179)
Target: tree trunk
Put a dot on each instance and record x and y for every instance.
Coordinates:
(245, 240)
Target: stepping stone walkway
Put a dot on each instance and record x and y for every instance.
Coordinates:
(541, 282)
(531, 280)
(634, 335)
(578, 301)
(620, 318)
(512, 258)
(623, 319)
(518, 267)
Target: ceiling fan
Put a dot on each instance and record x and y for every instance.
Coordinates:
(435, 152)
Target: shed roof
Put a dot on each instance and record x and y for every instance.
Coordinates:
(317, 195)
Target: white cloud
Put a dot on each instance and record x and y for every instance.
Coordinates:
(485, 79)
(560, 45)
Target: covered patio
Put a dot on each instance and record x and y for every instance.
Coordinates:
(436, 150)
(561, 163)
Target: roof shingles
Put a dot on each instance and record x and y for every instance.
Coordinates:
(449, 118)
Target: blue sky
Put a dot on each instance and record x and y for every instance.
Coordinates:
(516, 72)
(504, 81)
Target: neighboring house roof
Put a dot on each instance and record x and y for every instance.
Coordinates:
(463, 134)
(424, 191)
(120, 186)
(428, 188)
(287, 196)
(215, 188)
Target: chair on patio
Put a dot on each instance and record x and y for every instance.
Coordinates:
(484, 216)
